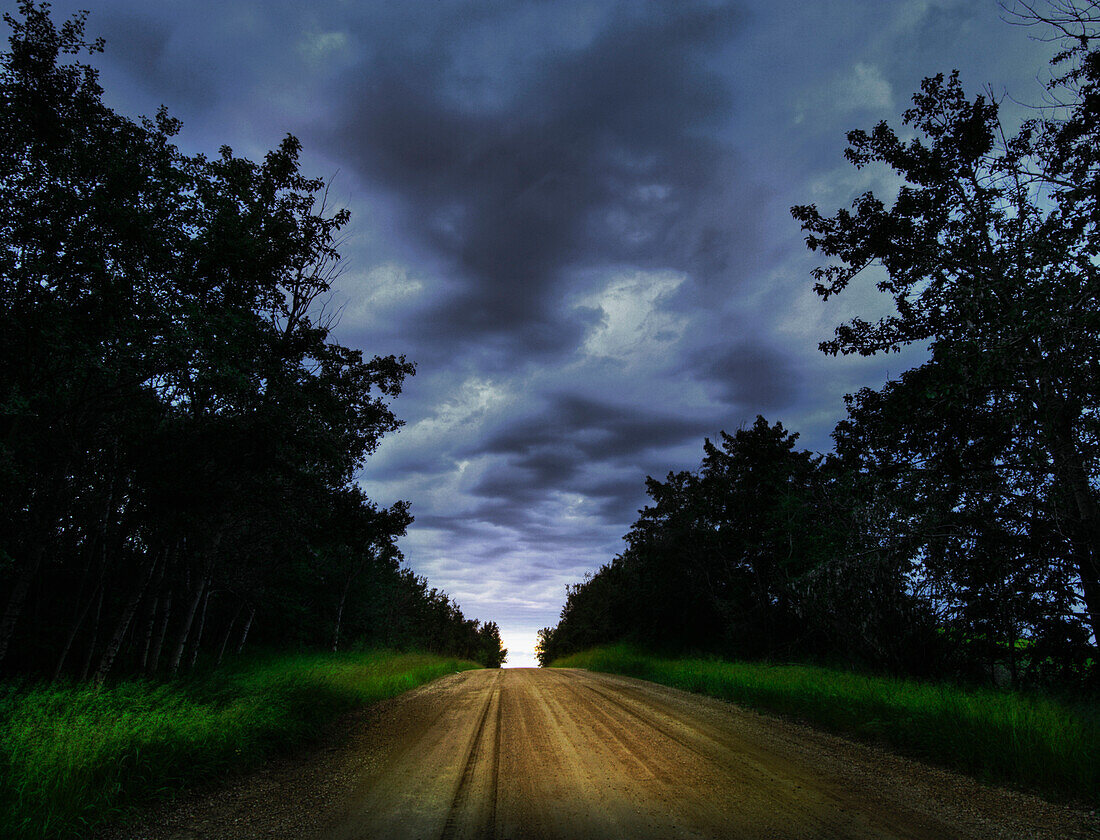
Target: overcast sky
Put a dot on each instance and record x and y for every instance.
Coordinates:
(574, 217)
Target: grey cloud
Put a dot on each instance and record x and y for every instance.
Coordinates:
(596, 430)
(749, 374)
(590, 448)
(619, 499)
(509, 484)
(141, 42)
(599, 157)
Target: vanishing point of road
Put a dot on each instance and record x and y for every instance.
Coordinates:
(529, 753)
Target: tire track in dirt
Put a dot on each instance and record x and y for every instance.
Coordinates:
(527, 754)
(569, 754)
(767, 783)
(473, 808)
(708, 770)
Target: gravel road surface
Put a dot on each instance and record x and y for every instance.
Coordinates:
(526, 753)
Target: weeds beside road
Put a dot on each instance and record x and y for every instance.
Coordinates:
(1025, 740)
(74, 756)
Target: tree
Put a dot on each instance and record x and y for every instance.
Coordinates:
(180, 432)
(85, 249)
(717, 561)
(491, 651)
(972, 546)
(990, 252)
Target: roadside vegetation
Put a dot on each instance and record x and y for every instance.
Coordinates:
(181, 432)
(75, 755)
(1024, 740)
(952, 535)
(182, 435)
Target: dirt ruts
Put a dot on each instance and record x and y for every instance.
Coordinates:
(527, 753)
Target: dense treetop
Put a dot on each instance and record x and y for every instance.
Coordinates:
(957, 524)
(179, 430)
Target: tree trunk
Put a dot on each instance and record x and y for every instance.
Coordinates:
(340, 612)
(204, 577)
(188, 620)
(162, 632)
(110, 653)
(18, 598)
(247, 627)
(83, 605)
(1084, 530)
(73, 631)
(1086, 546)
(198, 633)
(147, 635)
(95, 634)
(1084, 555)
(228, 633)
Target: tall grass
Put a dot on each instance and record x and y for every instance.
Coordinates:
(1011, 738)
(74, 756)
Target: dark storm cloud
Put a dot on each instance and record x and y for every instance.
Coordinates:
(747, 374)
(516, 486)
(575, 445)
(512, 499)
(592, 430)
(516, 159)
(598, 155)
(619, 499)
(142, 43)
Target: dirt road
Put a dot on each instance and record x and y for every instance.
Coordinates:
(527, 753)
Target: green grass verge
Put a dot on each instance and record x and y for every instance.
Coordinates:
(74, 756)
(1024, 740)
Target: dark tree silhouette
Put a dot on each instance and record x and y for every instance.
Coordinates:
(956, 528)
(989, 255)
(179, 430)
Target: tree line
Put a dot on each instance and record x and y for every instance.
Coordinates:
(179, 430)
(955, 528)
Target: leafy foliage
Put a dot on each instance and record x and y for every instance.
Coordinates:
(74, 756)
(956, 529)
(744, 558)
(179, 430)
